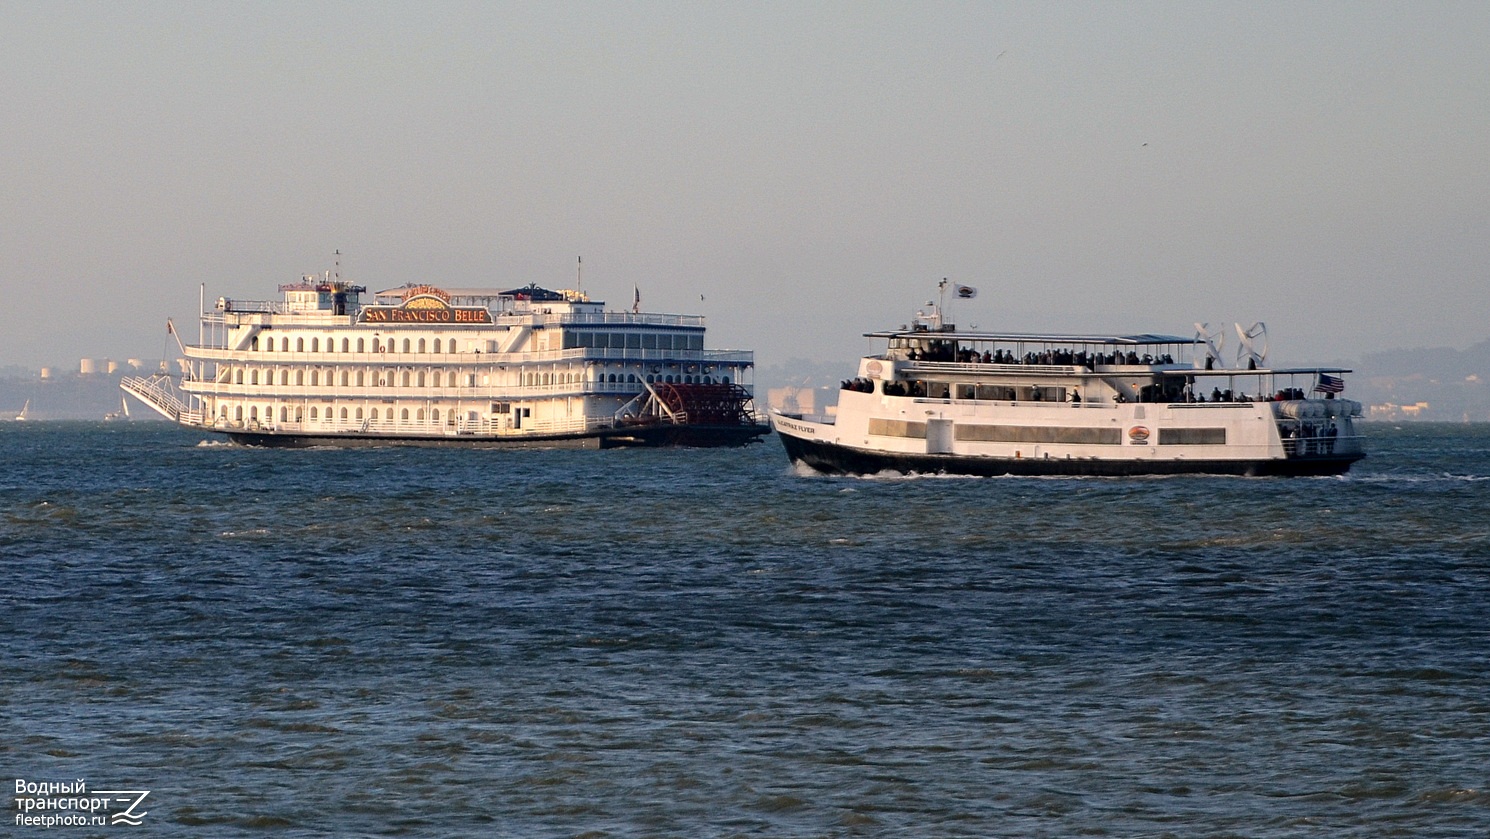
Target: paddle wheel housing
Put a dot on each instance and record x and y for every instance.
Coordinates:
(700, 404)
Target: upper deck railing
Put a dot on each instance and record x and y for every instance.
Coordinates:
(514, 316)
(261, 357)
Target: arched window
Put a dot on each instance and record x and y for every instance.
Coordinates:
(421, 345)
(389, 414)
(284, 413)
(312, 413)
(406, 344)
(437, 346)
(434, 416)
(404, 415)
(343, 413)
(253, 377)
(406, 378)
(346, 378)
(284, 344)
(315, 378)
(315, 345)
(360, 346)
(238, 376)
(254, 346)
(238, 413)
(253, 413)
(345, 345)
(421, 378)
(359, 378)
(299, 345)
(419, 416)
(359, 413)
(452, 379)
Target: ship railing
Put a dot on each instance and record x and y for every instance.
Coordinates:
(267, 307)
(622, 319)
(1303, 447)
(501, 426)
(735, 358)
(159, 393)
(279, 307)
(980, 368)
(411, 393)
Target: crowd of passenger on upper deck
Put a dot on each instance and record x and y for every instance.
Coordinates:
(947, 351)
(1165, 392)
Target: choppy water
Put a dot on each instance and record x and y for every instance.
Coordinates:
(705, 643)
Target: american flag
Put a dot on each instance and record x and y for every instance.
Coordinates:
(1329, 384)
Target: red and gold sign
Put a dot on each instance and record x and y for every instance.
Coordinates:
(430, 307)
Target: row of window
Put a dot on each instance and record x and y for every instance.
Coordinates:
(315, 344)
(404, 415)
(410, 378)
(571, 340)
(632, 341)
(349, 378)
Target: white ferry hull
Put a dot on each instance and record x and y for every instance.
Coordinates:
(851, 446)
(836, 459)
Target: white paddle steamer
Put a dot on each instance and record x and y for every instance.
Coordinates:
(428, 365)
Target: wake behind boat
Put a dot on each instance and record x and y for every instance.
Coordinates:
(426, 365)
(939, 400)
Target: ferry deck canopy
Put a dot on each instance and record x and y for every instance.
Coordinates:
(1040, 338)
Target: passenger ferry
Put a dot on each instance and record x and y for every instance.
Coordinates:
(939, 400)
(428, 365)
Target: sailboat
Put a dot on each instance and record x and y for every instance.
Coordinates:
(25, 412)
(120, 415)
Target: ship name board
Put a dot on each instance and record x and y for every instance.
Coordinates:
(425, 308)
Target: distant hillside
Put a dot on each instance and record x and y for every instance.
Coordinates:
(1435, 383)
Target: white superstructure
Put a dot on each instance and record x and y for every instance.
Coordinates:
(523, 366)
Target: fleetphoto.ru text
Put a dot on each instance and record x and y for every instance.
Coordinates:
(72, 804)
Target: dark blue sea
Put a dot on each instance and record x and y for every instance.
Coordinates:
(690, 643)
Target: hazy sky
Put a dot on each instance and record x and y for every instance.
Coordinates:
(810, 169)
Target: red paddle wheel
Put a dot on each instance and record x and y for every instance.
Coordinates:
(707, 404)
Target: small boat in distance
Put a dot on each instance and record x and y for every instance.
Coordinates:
(121, 415)
(25, 413)
(428, 365)
(940, 400)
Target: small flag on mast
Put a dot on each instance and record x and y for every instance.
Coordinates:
(636, 300)
(1329, 384)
